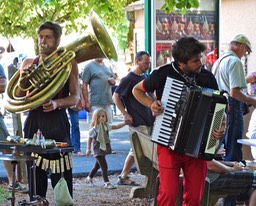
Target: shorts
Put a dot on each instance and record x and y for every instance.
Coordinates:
(143, 129)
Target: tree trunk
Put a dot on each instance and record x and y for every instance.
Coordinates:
(17, 131)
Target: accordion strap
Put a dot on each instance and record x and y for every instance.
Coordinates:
(190, 80)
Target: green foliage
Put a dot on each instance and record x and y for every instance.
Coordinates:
(21, 18)
(3, 195)
(122, 29)
(182, 5)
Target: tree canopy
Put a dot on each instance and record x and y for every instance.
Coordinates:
(21, 18)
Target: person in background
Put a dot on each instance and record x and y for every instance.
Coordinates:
(99, 140)
(229, 73)
(13, 68)
(251, 133)
(3, 135)
(251, 81)
(51, 118)
(16, 118)
(75, 129)
(231, 177)
(114, 105)
(135, 114)
(230, 77)
(113, 88)
(251, 78)
(186, 67)
(98, 80)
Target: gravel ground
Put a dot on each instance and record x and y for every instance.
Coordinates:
(87, 195)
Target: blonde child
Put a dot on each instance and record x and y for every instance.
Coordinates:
(99, 140)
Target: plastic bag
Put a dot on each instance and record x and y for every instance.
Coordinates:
(61, 194)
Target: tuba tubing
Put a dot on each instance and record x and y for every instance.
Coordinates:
(45, 80)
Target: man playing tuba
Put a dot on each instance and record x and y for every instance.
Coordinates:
(51, 118)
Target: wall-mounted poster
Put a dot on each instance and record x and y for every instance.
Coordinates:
(164, 48)
(163, 51)
(173, 26)
(201, 23)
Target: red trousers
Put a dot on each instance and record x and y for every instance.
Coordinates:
(170, 164)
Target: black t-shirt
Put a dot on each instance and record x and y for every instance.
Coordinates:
(141, 115)
(156, 80)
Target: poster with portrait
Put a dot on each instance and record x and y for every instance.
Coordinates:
(201, 23)
(175, 25)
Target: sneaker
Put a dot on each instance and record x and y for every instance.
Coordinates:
(88, 180)
(18, 188)
(108, 185)
(126, 181)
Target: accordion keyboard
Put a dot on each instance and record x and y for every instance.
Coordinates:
(163, 123)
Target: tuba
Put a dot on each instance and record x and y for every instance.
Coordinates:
(49, 77)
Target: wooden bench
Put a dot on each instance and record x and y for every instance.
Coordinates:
(145, 159)
(146, 162)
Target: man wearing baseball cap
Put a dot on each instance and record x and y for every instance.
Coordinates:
(229, 73)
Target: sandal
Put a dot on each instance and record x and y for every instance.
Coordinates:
(126, 181)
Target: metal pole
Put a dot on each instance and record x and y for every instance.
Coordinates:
(14, 163)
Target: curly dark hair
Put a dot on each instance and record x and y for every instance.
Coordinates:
(186, 48)
(56, 28)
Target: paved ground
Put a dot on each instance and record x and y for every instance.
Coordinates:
(81, 164)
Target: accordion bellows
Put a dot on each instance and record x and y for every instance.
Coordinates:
(190, 115)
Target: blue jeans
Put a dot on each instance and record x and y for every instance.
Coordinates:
(234, 131)
(75, 131)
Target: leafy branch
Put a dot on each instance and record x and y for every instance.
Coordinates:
(182, 5)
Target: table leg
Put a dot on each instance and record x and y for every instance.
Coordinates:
(14, 163)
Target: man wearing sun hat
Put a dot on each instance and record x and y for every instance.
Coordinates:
(240, 38)
(229, 73)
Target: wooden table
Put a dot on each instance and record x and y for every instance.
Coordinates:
(248, 142)
(33, 148)
(30, 164)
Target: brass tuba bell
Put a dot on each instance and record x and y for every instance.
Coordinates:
(45, 81)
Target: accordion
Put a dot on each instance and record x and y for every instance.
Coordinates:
(189, 118)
